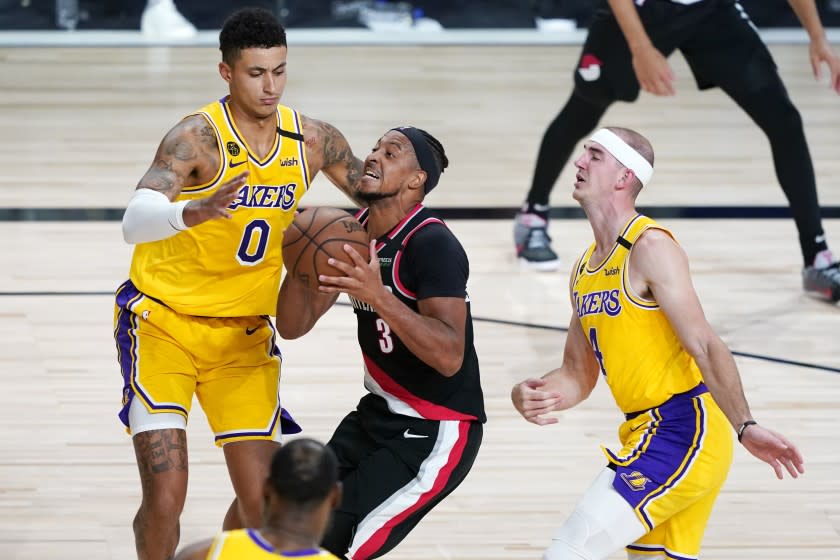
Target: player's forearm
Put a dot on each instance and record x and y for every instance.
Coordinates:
(150, 216)
(809, 17)
(630, 24)
(430, 339)
(574, 386)
(721, 377)
(299, 308)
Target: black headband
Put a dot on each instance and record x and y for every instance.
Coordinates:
(424, 155)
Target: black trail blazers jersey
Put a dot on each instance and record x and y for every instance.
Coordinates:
(419, 258)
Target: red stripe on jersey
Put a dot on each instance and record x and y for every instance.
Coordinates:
(395, 270)
(375, 542)
(426, 409)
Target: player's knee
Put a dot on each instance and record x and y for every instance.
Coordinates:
(250, 510)
(561, 550)
(634, 556)
(598, 96)
(774, 112)
(572, 540)
(163, 505)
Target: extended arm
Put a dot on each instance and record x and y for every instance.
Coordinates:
(651, 67)
(820, 49)
(187, 156)
(563, 387)
(327, 150)
(660, 266)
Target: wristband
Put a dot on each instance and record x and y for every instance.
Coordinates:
(743, 428)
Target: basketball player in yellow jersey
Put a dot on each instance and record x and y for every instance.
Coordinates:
(301, 491)
(207, 219)
(639, 324)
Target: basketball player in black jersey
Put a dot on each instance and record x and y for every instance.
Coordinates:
(414, 437)
(627, 48)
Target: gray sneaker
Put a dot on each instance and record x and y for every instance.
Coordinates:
(823, 282)
(533, 245)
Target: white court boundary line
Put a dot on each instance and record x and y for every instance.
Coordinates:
(343, 36)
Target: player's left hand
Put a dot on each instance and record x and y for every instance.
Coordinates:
(772, 448)
(362, 280)
(820, 51)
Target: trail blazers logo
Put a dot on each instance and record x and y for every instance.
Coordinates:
(590, 68)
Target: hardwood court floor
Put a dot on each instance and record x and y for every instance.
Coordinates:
(83, 126)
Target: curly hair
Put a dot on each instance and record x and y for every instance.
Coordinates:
(250, 28)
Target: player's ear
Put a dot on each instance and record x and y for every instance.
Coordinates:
(225, 71)
(418, 180)
(625, 180)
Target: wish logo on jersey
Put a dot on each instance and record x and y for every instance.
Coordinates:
(605, 301)
(265, 196)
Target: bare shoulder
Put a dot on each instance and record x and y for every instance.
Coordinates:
(325, 144)
(655, 241)
(188, 155)
(656, 258)
(191, 135)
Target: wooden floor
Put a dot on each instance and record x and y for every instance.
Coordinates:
(81, 126)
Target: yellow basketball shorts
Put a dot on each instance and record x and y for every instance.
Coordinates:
(232, 365)
(673, 463)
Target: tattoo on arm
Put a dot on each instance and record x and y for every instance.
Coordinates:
(186, 148)
(338, 162)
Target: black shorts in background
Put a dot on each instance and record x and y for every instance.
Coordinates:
(716, 37)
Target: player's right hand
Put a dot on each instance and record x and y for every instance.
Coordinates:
(532, 401)
(215, 205)
(774, 449)
(653, 71)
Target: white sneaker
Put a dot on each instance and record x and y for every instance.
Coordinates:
(163, 21)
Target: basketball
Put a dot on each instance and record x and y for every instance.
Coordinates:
(315, 235)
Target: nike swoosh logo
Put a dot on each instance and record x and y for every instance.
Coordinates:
(249, 332)
(233, 164)
(408, 435)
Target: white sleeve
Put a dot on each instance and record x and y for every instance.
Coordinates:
(150, 216)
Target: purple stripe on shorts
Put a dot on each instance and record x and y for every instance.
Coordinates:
(288, 425)
(126, 294)
(670, 453)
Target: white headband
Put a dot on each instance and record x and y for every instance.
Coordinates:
(627, 156)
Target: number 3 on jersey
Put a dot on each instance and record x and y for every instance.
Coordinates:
(593, 340)
(386, 343)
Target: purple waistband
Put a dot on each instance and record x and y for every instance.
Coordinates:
(690, 394)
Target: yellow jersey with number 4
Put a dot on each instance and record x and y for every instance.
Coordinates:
(637, 349)
(248, 544)
(231, 268)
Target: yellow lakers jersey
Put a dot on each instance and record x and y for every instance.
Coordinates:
(638, 351)
(248, 544)
(231, 268)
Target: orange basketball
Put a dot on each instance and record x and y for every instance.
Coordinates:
(315, 235)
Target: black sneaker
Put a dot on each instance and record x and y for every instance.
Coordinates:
(533, 245)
